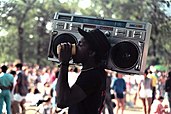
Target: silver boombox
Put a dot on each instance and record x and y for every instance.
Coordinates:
(129, 40)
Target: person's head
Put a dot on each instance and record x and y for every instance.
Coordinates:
(160, 98)
(13, 72)
(19, 66)
(4, 68)
(119, 75)
(93, 44)
(146, 73)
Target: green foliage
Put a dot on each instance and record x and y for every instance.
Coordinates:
(26, 20)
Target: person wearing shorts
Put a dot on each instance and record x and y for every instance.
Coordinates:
(120, 89)
(20, 90)
(145, 92)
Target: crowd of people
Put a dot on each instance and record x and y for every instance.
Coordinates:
(151, 89)
(28, 84)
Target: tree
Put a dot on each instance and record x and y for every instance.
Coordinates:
(28, 18)
(18, 12)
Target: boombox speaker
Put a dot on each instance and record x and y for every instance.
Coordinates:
(129, 40)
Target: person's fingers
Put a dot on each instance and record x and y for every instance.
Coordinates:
(62, 46)
(68, 47)
(58, 48)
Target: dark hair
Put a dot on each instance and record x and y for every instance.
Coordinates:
(160, 98)
(117, 74)
(19, 65)
(13, 72)
(146, 71)
(36, 91)
(4, 68)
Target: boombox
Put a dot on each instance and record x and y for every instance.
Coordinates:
(129, 40)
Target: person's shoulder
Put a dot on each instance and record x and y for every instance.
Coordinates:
(1, 74)
(9, 76)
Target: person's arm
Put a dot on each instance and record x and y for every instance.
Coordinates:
(66, 96)
(16, 89)
(17, 84)
(114, 88)
(11, 87)
(151, 83)
(124, 86)
(12, 83)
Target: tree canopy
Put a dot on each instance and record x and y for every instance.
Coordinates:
(24, 34)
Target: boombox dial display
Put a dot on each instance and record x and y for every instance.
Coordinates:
(129, 39)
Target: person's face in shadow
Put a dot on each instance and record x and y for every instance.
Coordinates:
(82, 51)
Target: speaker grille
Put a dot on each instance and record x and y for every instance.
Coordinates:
(124, 55)
(65, 37)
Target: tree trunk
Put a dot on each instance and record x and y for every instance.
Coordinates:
(20, 43)
(38, 51)
(153, 47)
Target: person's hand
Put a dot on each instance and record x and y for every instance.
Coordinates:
(124, 93)
(165, 106)
(65, 52)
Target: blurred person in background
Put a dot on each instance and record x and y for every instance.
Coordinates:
(157, 107)
(45, 77)
(6, 85)
(145, 92)
(119, 87)
(168, 88)
(53, 74)
(161, 83)
(108, 99)
(21, 87)
(152, 75)
(12, 92)
(54, 93)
